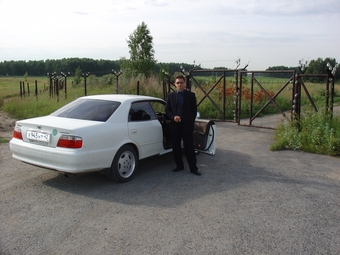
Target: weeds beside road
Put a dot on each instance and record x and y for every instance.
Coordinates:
(6, 127)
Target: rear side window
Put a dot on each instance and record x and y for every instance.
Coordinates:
(88, 109)
(141, 111)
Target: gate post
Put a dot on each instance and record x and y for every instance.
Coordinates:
(296, 100)
(330, 78)
(236, 96)
(168, 81)
(164, 89)
(188, 80)
(187, 76)
(251, 98)
(332, 96)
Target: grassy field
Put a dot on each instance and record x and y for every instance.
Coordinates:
(32, 105)
(10, 86)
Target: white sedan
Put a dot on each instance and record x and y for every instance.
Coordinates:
(108, 133)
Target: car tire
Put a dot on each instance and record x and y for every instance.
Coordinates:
(123, 165)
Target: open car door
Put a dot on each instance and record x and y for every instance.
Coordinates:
(205, 136)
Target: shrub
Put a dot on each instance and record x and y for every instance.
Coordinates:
(316, 132)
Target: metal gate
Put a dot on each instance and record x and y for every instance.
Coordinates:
(231, 98)
(224, 85)
(261, 99)
(295, 86)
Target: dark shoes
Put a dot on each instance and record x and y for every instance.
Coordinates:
(181, 169)
(196, 173)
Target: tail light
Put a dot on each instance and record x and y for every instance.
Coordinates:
(69, 141)
(17, 133)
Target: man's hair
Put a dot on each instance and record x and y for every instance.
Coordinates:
(180, 76)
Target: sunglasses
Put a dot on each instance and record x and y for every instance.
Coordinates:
(180, 82)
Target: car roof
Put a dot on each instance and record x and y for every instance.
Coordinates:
(121, 97)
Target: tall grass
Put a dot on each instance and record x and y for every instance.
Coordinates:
(32, 106)
(315, 132)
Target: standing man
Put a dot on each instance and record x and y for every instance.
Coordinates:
(181, 108)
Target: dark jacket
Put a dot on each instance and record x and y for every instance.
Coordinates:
(189, 110)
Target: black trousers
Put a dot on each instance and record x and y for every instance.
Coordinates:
(189, 149)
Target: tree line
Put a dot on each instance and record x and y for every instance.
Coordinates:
(317, 66)
(96, 67)
(102, 66)
(42, 67)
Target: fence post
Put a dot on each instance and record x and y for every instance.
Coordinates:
(21, 89)
(116, 73)
(50, 75)
(137, 87)
(65, 83)
(65, 89)
(85, 75)
(36, 90)
(56, 87)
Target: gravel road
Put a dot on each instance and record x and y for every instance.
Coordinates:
(249, 200)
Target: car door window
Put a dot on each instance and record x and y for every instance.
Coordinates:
(158, 106)
(141, 111)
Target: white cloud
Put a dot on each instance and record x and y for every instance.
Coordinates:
(214, 32)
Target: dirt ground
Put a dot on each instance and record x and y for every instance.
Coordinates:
(6, 125)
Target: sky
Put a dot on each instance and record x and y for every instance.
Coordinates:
(214, 33)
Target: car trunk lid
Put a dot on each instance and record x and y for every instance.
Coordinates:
(47, 130)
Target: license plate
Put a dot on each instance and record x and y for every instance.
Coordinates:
(39, 136)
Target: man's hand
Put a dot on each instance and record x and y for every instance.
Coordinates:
(177, 119)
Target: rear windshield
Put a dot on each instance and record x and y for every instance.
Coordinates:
(88, 109)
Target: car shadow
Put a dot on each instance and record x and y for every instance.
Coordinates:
(156, 185)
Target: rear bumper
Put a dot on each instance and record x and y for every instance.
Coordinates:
(59, 159)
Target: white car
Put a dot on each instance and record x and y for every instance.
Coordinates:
(108, 133)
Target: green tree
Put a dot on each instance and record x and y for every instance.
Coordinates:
(77, 76)
(141, 51)
(319, 66)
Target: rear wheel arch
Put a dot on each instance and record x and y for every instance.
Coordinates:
(134, 146)
(124, 163)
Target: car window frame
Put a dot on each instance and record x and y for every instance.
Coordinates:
(139, 109)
